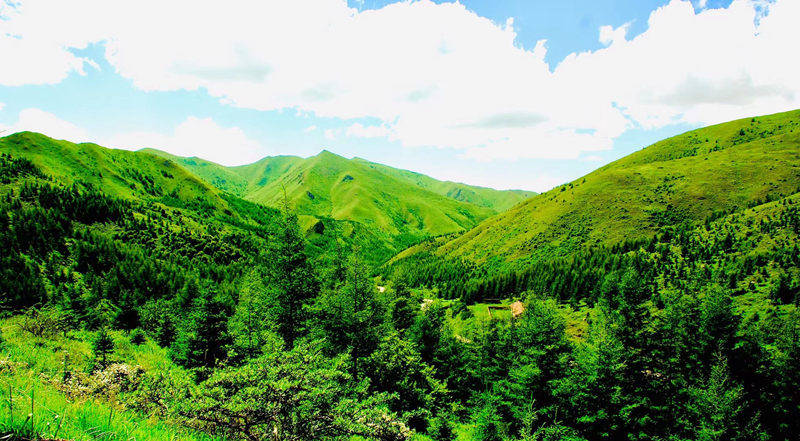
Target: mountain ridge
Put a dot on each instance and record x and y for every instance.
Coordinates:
(686, 177)
(316, 186)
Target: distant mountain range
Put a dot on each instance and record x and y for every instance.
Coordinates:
(396, 207)
(396, 201)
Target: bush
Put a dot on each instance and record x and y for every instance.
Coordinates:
(138, 337)
(44, 322)
(441, 429)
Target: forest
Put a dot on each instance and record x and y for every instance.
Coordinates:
(160, 314)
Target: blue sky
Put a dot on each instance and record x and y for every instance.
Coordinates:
(509, 125)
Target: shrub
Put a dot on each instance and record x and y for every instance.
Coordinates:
(137, 337)
(441, 429)
(44, 322)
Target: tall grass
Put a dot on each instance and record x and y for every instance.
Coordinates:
(32, 409)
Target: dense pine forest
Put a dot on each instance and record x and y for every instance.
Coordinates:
(151, 297)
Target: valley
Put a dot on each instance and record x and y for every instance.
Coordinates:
(151, 296)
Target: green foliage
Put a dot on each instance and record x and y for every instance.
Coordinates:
(294, 280)
(138, 337)
(102, 346)
(294, 395)
(204, 340)
(718, 408)
(396, 367)
(441, 428)
(350, 318)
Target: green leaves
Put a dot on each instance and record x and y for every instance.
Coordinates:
(297, 394)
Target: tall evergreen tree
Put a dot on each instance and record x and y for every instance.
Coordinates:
(294, 279)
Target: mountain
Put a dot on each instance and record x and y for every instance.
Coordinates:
(382, 208)
(482, 196)
(398, 202)
(119, 173)
(684, 178)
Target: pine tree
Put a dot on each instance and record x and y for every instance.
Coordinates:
(103, 345)
(294, 280)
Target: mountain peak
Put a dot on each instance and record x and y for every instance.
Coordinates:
(327, 153)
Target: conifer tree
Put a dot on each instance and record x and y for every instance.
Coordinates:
(294, 280)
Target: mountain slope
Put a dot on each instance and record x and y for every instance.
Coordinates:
(397, 202)
(217, 175)
(497, 200)
(687, 177)
(330, 185)
(119, 173)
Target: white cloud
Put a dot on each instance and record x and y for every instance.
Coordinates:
(608, 34)
(201, 137)
(330, 134)
(310, 128)
(37, 120)
(2, 106)
(360, 131)
(466, 85)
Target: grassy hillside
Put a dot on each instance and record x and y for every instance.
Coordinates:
(497, 200)
(72, 400)
(396, 202)
(120, 173)
(217, 175)
(330, 185)
(688, 177)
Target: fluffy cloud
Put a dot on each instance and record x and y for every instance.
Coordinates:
(608, 34)
(360, 131)
(465, 85)
(37, 120)
(201, 137)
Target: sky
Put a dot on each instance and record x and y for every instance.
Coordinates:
(521, 94)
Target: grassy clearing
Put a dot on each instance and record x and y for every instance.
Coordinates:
(37, 408)
(34, 402)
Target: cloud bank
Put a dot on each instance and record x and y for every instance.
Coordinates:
(433, 74)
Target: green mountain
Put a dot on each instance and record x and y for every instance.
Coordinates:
(684, 178)
(485, 197)
(119, 173)
(397, 202)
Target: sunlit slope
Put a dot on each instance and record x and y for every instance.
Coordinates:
(498, 200)
(687, 177)
(120, 173)
(330, 185)
(219, 176)
(395, 201)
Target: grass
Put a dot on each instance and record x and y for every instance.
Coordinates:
(689, 176)
(30, 371)
(41, 410)
(327, 185)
